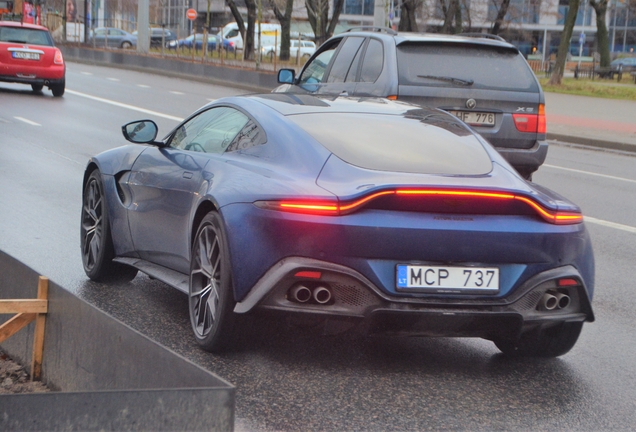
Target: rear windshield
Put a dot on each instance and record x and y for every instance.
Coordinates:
(468, 66)
(411, 144)
(25, 36)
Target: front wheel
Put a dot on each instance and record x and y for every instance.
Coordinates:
(126, 45)
(543, 342)
(211, 301)
(95, 236)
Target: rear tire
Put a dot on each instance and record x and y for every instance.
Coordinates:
(211, 298)
(58, 89)
(126, 45)
(37, 87)
(547, 342)
(95, 236)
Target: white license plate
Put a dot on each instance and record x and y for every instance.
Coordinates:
(448, 279)
(475, 118)
(26, 55)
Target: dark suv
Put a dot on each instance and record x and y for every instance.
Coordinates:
(481, 79)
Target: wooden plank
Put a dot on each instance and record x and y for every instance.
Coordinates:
(38, 336)
(23, 306)
(15, 324)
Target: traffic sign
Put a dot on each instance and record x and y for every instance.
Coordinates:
(191, 14)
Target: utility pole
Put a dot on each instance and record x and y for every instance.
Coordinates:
(143, 26)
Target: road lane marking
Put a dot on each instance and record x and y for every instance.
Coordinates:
(86, 73)
(590, 173)
(123, 105)
(609, 224)
(32, 123)
(176, 93)
(143, 86)
(113, 79)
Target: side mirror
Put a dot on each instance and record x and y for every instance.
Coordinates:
(140, 132)
(286, 76)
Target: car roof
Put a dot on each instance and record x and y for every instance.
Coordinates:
(22, 25)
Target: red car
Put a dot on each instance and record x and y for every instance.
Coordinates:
(29, 56)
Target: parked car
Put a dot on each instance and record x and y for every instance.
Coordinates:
(307, 49)
(484, 81)
(28, 56)
(159, 35)
(111, 37)
(368, 214)
(624, 64)
(197, 43)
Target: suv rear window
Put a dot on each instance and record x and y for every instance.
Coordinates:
(469, 65)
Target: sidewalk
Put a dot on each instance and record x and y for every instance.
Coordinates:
(598, 122)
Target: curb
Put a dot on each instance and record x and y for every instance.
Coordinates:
(602, 144)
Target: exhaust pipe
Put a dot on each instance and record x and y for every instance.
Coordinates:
(300, 294)
(321, 295)
(548, 302)
(563, 300)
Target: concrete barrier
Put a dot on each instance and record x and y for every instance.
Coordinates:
(108, 376)
(241, 77)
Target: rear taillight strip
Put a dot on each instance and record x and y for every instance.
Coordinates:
(333, 208)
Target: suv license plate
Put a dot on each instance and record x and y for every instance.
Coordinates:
(26, 55)
(475, 118)
(448, 279)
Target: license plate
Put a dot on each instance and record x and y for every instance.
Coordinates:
(475, 118)
(26, 55)
(448, 279)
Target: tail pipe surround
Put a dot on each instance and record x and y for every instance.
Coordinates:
(553, 300)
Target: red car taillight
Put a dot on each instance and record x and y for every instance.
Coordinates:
(337, 208)
(58, 59)
(534, 123)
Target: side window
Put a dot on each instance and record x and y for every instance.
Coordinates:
(232, 33)
(251, 135)
(342, 64)
(353, 70)
(211, 131)
(373, 61)
(314, 72)
(100, 32)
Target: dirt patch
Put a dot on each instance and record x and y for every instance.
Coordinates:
(15, 379)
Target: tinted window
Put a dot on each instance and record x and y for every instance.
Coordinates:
(373, 61)
(342, 64)
(450, 65)
(314, 72)
(251, 135)
(24, 35)
(211, 131)
(416, 144)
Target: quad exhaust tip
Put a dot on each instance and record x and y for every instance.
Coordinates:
(554, 300)
(302, 294)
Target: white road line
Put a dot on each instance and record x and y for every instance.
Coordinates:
(176, 93)
(113, 79)
(143, 86)
(590, 173)
(32, 123)
(86, 73)
(614, 225)
(123, 105)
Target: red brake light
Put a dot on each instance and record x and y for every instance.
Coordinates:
(335, 208)
(567, 282)
(308, 274)
(58, 59)
(532, 123)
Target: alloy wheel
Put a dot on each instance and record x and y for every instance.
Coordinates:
(92, 224)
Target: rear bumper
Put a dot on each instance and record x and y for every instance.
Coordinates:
(32, 80)
(526, 160)
(357, 302)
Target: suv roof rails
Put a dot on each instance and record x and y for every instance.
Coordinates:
(372, 28)
(483, 35)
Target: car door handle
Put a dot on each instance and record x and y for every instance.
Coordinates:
(187, 175)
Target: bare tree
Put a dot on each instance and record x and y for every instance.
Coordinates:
(502, 11)
(564, 46)
(246, 33)
(285, 25)
(452, 13)
(408, 9)
(318, 15)
(602, 35)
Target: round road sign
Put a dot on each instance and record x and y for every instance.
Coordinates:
(191, 14)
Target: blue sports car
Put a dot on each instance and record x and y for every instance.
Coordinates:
(365, 214)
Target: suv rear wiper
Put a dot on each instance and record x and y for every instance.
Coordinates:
(449, 79)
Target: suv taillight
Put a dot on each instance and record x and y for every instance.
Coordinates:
(533, 123)
(58, 59)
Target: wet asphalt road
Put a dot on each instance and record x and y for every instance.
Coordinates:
(290, 378)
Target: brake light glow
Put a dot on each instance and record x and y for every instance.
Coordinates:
(392, 97)
(567, 282)
(533, 123)
(308, 274)
(58, 59)
(336, 208)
